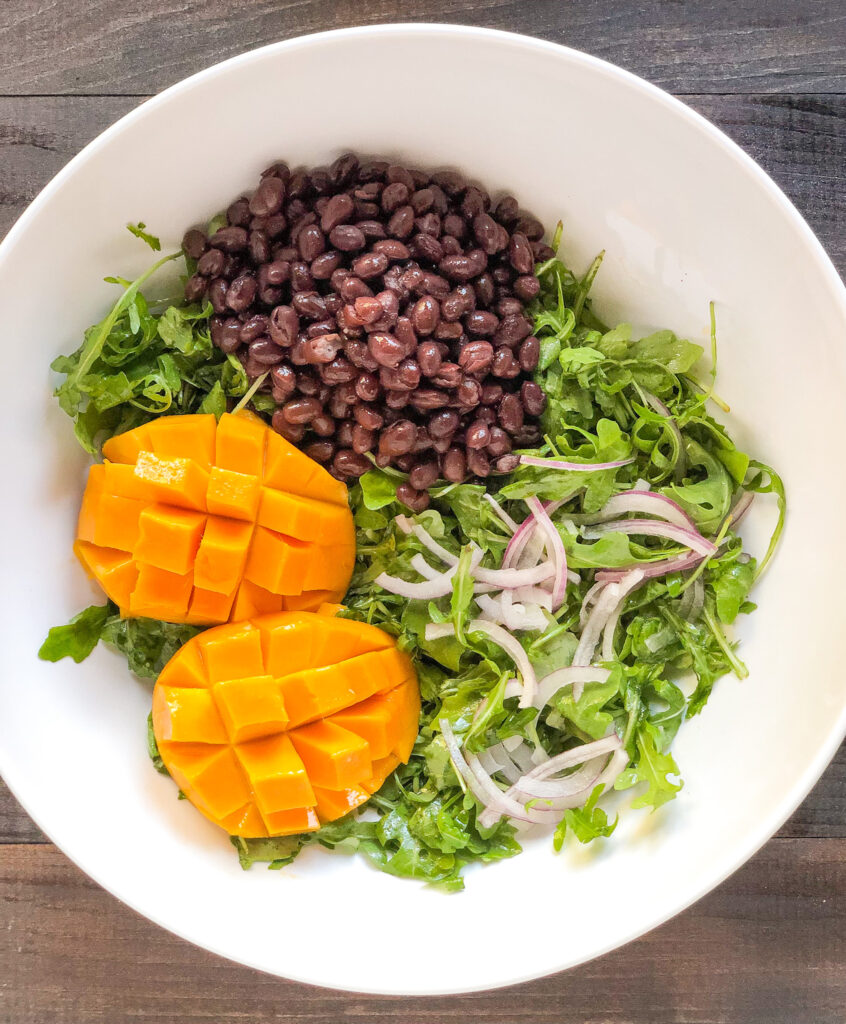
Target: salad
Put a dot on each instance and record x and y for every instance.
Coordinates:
(565, 613)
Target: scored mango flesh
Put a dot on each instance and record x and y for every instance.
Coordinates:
(194, 520)
(275, 725)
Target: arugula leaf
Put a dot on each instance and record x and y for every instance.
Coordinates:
(653, 768)
(585, 823)
(78, 638)
(139, 232)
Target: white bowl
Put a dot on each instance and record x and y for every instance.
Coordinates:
(685, 217)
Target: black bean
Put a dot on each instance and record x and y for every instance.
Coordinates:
(368, 416)
(283, 326)
(425, 315)
(275, 225)
(301, 410)
(266, 352)
(491, 394)
(311, 242)
(320, 451)
(371, 264)
(386, 349)
(195, 288)
(259, 245)
(511, 413)
(478, 463)
(443, 424)
(504, 364)
(526, 287)
(475, 202)
(194, 243)
(301, 278)
(337, 211)
(362, 439)
(429, 358)
(238, 213)
(454, 465)
(398, 173)
(373, 170)
(347, 238)
(499, 443)
(477, 435)
(343, 171)
(348, 463)
(231, 239)
(512, 330)
(520, 254)
(542, 252)
(485, 289)
(401, 223)
(416, 500)
(322, 349)
(529, 354)
(268, 197)
(529, 227)
(509, 307)
(217, 294)
(424, 474)
(242, 291)
(476, 357)
(210, 264)
(395, 400)
(482, 323)
(394, 195)
(293, 432)
(468, 394)
(456, 226)
(488, 233)
(254, 327)
(398, 438)
(425, 247)
(283, 382)
(426, 399)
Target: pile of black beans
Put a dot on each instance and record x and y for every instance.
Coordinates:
(387, 306)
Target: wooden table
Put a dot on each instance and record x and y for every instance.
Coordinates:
(769, 945)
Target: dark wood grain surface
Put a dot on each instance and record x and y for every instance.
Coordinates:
(769, 945)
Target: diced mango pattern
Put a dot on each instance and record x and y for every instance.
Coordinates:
(274, 725)
(195, 520)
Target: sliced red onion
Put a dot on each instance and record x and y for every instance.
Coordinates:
(419, 564)
(558, 794)
(652, 528)
(609, 602)
(590, 597)
(550, 791)
(496, 577)
(581, 467)
(512, 578)
(569, 676)
(502, 639)
(513, 616)
(553, 506)
(555, 549)
(741, 507)
(434, 587)
(518, 542)
(534, 595)
(693, 600)
(635, 578)
(650, 503)
(500, 511)
(576, 755)
(495, 759)
(652, 570)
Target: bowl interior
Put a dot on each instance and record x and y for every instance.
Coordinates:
(684, 218)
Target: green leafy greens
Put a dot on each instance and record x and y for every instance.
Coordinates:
(610, 398)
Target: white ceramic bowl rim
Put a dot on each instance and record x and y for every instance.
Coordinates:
(822, 266)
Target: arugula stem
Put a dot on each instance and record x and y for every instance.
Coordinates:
(257, 383)
(740, 670)
(98, 339)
